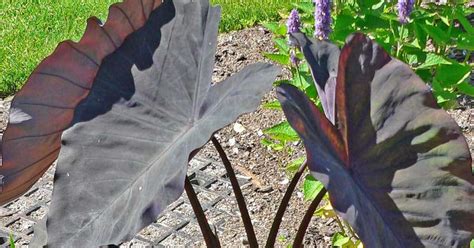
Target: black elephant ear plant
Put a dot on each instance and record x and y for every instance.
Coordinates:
(124, 110)
(396, 166)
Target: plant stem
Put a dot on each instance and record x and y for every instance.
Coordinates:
(297, 74)
(353, 234)
(450, 29)
(238, 194)
(468, 56)
(283, 205)
(394, 35)
(209, 237)
(338, 7)
(307, 219)
(341, 226)
(400, 40)
(299, 78)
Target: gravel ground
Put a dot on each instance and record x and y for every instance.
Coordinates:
(249, 157)
(262, 166)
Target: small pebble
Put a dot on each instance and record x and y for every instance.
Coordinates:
(232, 142)
(284, 181)
(265, 189)
(299, 194)
(238, 128)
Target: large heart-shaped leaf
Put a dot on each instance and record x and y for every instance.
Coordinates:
(44, 107)
(322, 58)
(397, 168)
(151, 104)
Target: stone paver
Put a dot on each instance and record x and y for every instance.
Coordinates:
(175, 226)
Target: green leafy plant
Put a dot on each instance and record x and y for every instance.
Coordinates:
(340, 239)
(426, 42)
(346, 236)
(279, 135)
(311, 188)
(12, 241)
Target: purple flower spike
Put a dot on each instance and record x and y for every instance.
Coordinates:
(293, 22)
(405, 7)
(322, 17)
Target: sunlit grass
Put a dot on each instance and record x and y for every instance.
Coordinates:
(239, 14)
(31, 29)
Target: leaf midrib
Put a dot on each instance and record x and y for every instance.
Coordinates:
(372, 202)
(133, 182)
(186, 130)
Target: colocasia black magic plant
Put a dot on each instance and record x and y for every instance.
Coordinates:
(396, 166)
(123, 110)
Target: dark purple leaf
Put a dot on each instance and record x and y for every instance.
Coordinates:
(322, 58)
(44, 107)
(403, 178)
(124, 159)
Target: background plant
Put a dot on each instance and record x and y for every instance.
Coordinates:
(435, 40)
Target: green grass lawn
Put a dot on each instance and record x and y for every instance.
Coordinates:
(31, 29)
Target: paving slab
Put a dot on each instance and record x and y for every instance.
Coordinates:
(177, 225)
